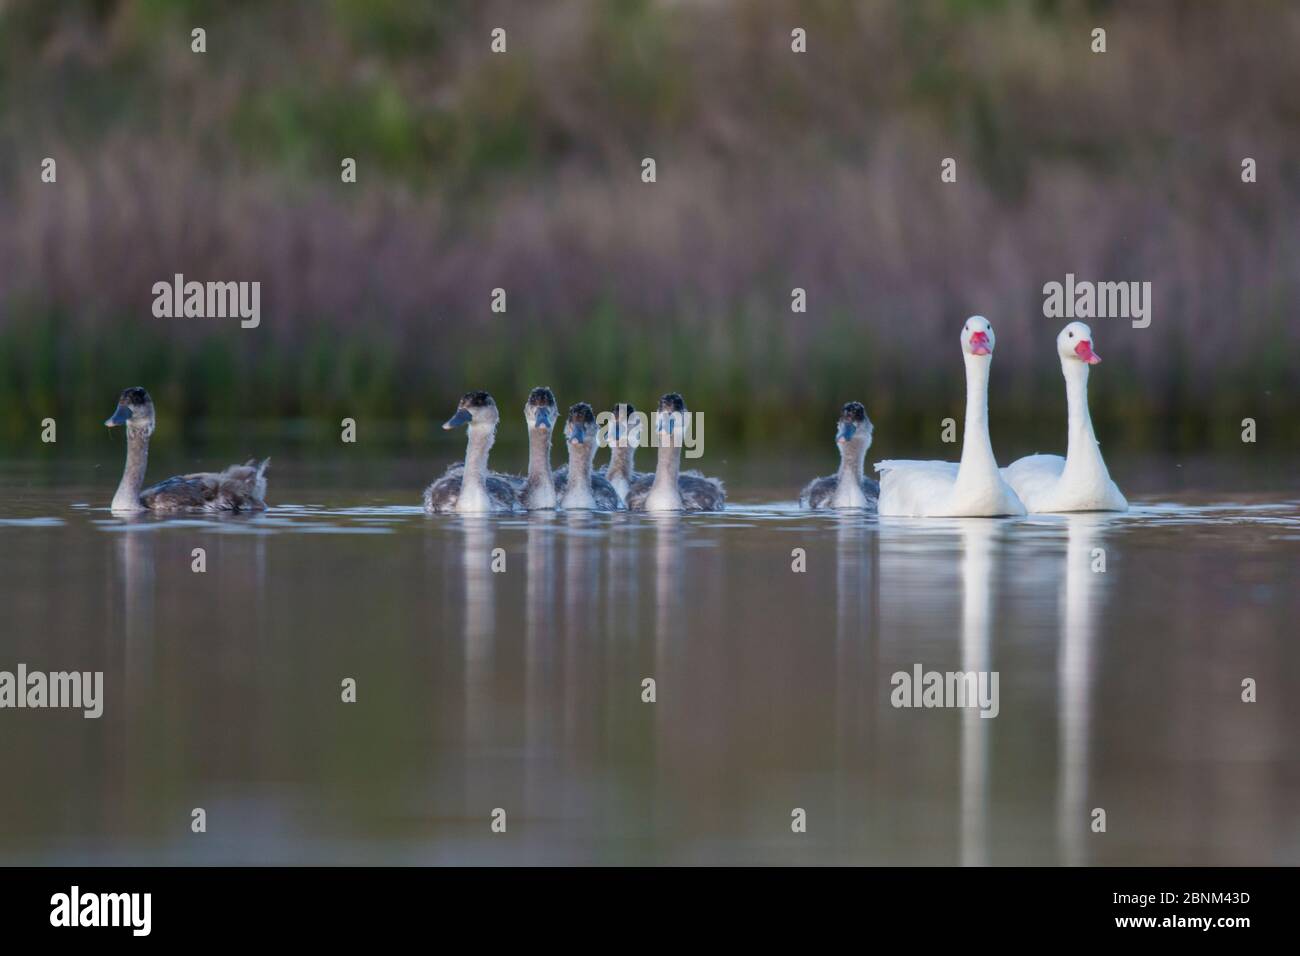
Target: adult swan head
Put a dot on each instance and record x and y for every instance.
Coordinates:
(974, 488)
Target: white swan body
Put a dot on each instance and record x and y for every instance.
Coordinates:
(972, 489)
(1079, 481)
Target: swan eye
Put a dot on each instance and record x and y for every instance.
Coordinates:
(1071, 335)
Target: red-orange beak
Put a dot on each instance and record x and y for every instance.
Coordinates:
(979, 344)
(1086, 354)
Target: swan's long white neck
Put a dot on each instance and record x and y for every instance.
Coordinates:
(577, 493)
(127, 497)
(620, 462)
(977, 461)
(852, 454)
(541, 483)
(665, 495)
(473, 482)
(848, 486)
(1083, 459)
(619, 472)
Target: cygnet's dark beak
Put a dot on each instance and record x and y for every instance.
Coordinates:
(120, 417)
(460, 418)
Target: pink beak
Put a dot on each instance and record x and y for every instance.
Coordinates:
(979, 344)
(1085, 352)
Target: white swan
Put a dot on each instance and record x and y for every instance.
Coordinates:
(1079, 481)
(972, 489)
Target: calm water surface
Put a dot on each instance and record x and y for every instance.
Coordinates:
(522, 690)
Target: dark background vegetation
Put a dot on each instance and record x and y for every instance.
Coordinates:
(775, 170)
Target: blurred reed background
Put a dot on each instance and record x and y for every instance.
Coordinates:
(775, 170)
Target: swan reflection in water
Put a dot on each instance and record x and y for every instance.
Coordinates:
(1082, 594)
(477, 533)
(903, 594)
(921, 622)
(154, 577)
(135, 583)
(979, 544)
(1079, 597)
(1047, 571)
(582, 640)
(540, 677)
(668, 586)
(857, 594)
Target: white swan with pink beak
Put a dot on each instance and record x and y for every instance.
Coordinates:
(1079, 481)
(973, 487)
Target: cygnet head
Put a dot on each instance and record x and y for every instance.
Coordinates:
(977, 336)
(135, 411)
(854, 429)
(1074, 344)
(624, 426)
(474, 408)
(580, 428)
(540, 412)
(671, 419)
